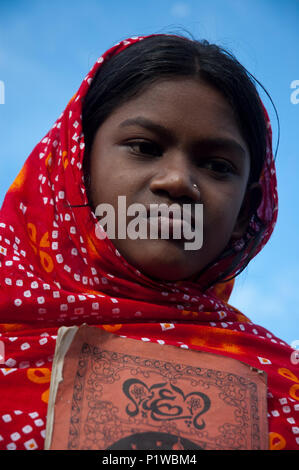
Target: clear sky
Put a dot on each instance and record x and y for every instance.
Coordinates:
(47, 47)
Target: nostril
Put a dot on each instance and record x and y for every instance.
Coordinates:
(177, 186)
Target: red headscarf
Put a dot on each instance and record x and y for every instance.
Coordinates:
(55, 271)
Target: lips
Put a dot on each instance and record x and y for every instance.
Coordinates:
(172, 226)
(169, 227)
(186, 215)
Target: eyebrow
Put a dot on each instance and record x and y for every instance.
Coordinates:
(215, 142)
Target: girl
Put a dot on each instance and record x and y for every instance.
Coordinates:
(158, 119)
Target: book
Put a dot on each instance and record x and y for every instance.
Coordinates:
(109, 392)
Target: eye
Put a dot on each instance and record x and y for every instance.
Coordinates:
(222, 167)
(145, 148)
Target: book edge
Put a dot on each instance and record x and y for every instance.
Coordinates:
(65, 336)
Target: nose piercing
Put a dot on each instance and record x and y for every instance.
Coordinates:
(195, 186)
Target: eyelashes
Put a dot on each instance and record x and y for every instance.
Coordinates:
(145, 148)
(217, 165)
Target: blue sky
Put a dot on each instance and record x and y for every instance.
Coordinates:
(46, 49)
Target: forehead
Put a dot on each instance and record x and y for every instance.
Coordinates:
(187, 106)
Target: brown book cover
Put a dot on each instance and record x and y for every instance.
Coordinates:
(108, 392)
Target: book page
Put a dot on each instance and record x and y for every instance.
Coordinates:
(125, 394)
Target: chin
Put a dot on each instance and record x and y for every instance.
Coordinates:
(165, 260)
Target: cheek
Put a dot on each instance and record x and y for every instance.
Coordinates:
(111, 177)
(220, 214)
(97, 188)
(103, 181)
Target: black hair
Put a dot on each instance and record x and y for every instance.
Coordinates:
(128, 73)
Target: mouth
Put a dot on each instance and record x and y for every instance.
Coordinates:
(171, 226)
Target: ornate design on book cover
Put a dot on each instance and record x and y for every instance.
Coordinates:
(135, 402)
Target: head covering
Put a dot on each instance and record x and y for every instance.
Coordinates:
(55, 271)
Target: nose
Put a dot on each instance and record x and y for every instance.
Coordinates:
(175, 178)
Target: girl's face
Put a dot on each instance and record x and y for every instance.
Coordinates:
(153, 149)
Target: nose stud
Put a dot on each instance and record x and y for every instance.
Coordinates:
(194, 185)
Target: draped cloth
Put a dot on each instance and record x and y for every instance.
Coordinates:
(55, 271)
